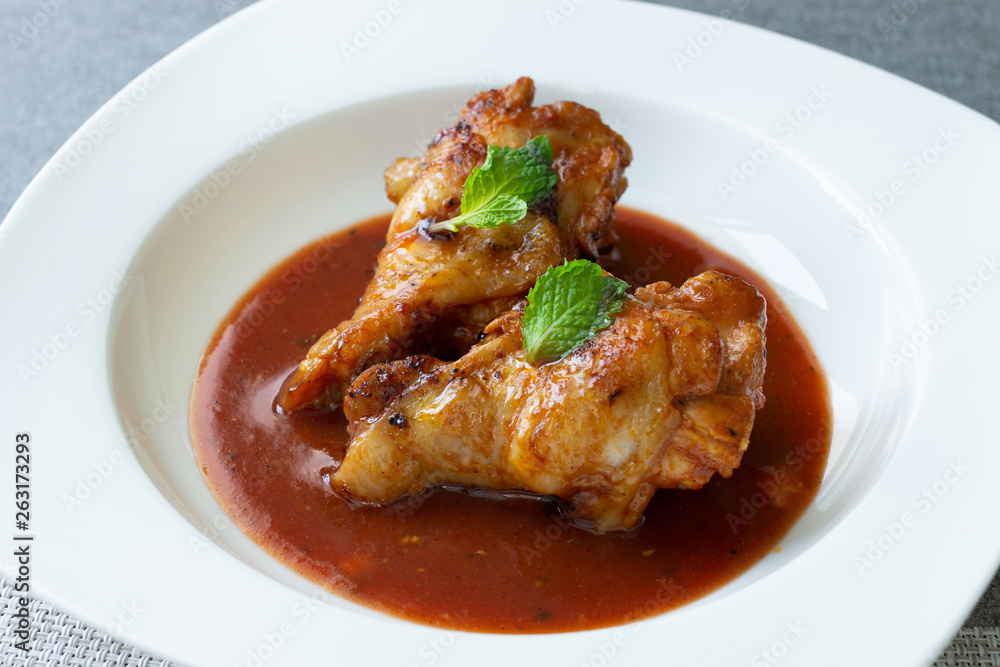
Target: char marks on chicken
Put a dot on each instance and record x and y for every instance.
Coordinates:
(437, 294)
(663, 398)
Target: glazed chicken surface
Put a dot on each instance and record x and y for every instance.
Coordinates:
(438, 292)
(665, 397)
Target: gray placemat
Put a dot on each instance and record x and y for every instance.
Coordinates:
(53, 78)
(973, 646)
(58, 640)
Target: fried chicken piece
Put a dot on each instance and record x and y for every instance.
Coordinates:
(663, 398)
(589, 158)
(433, 293)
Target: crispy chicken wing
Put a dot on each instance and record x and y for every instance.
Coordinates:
(664, 397)
(430, 294)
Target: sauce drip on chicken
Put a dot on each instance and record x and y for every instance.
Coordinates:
(664, 398)
(442, 291)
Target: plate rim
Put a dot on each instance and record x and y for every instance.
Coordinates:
(251, 18)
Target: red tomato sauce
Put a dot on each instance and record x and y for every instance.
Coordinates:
(452, 560)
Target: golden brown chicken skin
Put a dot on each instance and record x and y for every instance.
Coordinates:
(663, 398)
(434, 293)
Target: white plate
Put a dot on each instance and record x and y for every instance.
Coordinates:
(129, 539)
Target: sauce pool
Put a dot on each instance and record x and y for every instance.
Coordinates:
(455, 561)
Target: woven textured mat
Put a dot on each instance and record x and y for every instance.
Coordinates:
(972, 646)
(58, 640)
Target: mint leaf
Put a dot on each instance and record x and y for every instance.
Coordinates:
(499, 191)
(567, 306)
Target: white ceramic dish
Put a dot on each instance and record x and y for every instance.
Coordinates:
(125, 252)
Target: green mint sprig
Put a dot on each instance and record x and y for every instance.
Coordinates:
(567, 306)
(499, 192)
